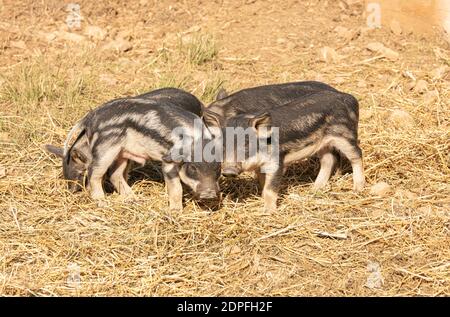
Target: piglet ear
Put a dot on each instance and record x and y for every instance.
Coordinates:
(78, 156)
(262, 123)
(211, 118)
(58, 151)
(221, 94)
(263, 120)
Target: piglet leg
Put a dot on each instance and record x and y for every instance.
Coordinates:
(271, 188)
(118, 178)
(354, 154)
(98, 169)
(174, 187)
(327, 162)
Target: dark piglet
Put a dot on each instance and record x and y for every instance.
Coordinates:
(314, 125)
(137, 129)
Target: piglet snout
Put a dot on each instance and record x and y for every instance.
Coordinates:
(230, 172)
(208, 194)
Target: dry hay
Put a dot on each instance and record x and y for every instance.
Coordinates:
(334, 242)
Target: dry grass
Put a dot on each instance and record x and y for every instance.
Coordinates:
(48, 235)
(200, 49)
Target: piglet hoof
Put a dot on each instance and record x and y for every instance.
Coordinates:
(175, 208)
(317, 189)
(269, 209)
(320, 183)
(130, 198)
(126, 191)
(359, 187)
(102, 203)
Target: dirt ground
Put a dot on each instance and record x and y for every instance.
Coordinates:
(392, 240)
